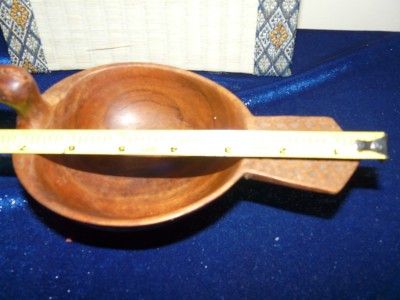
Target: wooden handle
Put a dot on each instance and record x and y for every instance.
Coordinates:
(325, 176)
(19, 91)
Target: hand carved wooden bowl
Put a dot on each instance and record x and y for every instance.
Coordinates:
(132, 191)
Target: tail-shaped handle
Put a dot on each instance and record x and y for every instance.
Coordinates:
(19, 91)
(327, 176)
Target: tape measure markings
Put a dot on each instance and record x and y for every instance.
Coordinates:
(214, 143)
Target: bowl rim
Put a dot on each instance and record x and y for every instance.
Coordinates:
(34, 189)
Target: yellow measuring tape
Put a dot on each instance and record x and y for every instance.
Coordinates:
(208, 143)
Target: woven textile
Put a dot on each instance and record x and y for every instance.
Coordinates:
(276, 33)
(20, 32)
(243, 36)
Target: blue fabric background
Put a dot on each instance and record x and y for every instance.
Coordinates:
(258, 241)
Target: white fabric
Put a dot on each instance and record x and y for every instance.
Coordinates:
(215, 35)
(375, 15)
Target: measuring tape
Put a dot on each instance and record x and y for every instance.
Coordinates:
(207, 143)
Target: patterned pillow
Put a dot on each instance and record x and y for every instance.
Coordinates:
(247, 36)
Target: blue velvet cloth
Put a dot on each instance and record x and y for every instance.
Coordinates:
(258, 240)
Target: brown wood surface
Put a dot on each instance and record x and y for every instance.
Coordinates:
(132, 191)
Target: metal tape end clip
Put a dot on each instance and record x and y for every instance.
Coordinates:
(378, 146)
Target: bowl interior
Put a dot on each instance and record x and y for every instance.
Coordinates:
(131, 191)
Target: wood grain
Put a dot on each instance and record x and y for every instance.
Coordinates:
(132, 191)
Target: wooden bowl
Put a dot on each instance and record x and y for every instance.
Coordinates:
(132, 191)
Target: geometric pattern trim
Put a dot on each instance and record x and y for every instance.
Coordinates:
(21, 34)
(275, 36)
